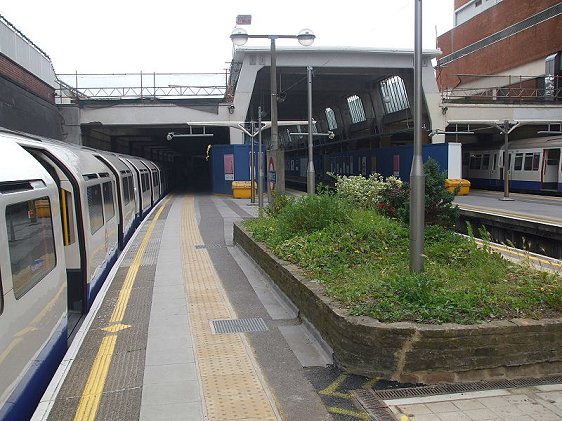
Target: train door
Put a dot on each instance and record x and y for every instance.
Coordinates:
(494, 170)
(551, 163)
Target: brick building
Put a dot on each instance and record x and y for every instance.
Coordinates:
(513, 39)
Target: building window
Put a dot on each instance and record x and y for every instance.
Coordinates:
(356, 109)
(394, 95)
(31, 243)
(331, 118)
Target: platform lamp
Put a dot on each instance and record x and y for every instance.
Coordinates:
(417, 177)
(305, 37)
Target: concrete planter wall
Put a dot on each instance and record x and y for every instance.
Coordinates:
(411, 352)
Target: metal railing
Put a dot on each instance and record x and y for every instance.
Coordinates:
(509, 89)
(76, 87)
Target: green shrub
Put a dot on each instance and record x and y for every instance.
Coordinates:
(439, 207)
(311, 213)
(361, 191)
(362, 259)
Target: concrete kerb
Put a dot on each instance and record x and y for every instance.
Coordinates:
(412, 352)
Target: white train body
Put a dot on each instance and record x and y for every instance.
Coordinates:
(534, 165)
(65, 214)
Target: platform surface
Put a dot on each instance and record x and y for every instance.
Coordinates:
(188, 328)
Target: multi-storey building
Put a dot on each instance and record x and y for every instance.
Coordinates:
(501, 37)
(502, 61)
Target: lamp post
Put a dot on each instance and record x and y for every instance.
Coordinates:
(417, 177)
(305, 37)
(310, 173)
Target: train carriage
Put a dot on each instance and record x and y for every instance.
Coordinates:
(33, 308)
(125, 192)
(144, 193)
(88, 208)
(535, 165)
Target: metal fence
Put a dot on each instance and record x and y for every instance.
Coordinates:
(509, 89)
(76, 87)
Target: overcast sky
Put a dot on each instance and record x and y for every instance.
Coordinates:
(114, 36)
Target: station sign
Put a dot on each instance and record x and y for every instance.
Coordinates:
(244, 20)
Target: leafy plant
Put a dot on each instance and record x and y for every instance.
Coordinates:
(361, 256)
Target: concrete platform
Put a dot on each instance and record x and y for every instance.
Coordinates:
(150, 349)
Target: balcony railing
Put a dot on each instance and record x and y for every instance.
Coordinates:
(78, 87)
(505, 89)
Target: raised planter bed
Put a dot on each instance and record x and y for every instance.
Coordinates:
(413, 352)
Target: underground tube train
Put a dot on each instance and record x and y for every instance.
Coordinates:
(65, 214)
(535, 165)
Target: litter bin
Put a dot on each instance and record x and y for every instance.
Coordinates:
(242, 189)
(452, 183)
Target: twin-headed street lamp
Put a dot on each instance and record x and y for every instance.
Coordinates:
(305, 37)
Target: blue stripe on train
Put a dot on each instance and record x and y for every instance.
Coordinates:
(485, 183)
(24, 399)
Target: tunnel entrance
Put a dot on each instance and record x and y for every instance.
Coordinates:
(183, 156)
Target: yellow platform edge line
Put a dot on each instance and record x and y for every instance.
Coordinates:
(91, 395)
(125, 293)
(89, 402)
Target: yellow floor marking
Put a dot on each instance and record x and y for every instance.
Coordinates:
(349, 413)
(522, 254)
(91, 396)
(233, 387)
(116, 328)
(125, 293)
(370, 383)
(332, 389)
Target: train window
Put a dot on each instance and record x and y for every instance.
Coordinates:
(67, 217)
(495, 161)
(536, 160)
(31, 243)
(356, 109)
(331, 119)
(475, 161)
(131, 188)
(528, 164)
(108, 206)
(154, 178)
(95, 208)
(485, 161)
(145, 182)
(125, 188)
(518, 162)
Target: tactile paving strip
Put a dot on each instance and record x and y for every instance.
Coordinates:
(233, 387)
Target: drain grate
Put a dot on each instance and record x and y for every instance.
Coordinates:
(211, 246)
(239, 325)
(445, 389)
(376, 408)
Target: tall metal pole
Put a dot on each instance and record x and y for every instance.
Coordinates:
(252, 167)
(310, 175)
(417, 177)
(506, 161)
(260, 164)
(277, 184)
